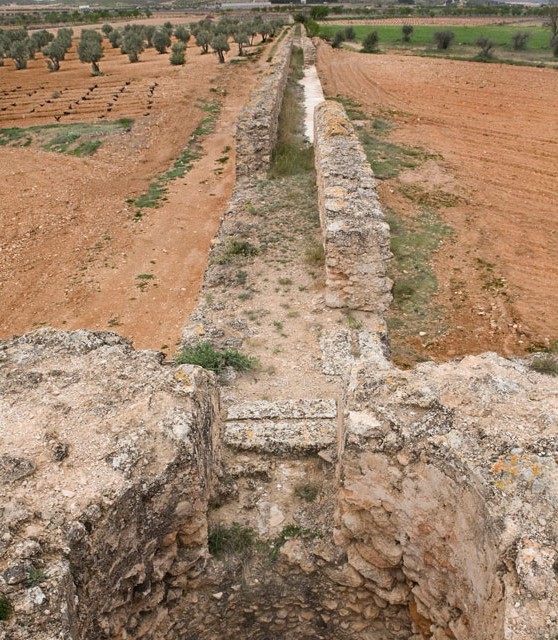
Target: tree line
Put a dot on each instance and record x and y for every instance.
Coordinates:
(134, 39)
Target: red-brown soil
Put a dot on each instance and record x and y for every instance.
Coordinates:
(494, 131)
(70, 250)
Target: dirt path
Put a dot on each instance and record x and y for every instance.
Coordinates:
(71, 252)
(495, 136)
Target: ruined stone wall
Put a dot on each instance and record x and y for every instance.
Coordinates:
(448, 497)
(106, 469)
(256, 128)
(355, 233)
(256, 135)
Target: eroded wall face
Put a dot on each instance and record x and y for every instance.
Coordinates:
(106, 527)
(422, 542)
(355, 233)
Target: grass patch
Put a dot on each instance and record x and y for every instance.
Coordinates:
(423, 36)
(412, 245)
(546, 364)
(387, 159)
(157, 190)
(292, 155)
(353, 108)
(79, 139)
(205, 355)
(238, 540)
(237, 249)
(413, 312)
(234, 540)
(315, 254)
(429, 199)
(87, 148)
(35, 577)
(6, 609)
(307, 492)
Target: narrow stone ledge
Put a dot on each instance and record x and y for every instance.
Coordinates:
(282, 437)
(356, 236)
(293, 409)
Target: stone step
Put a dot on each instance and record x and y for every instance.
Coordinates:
(283, 409)
(282, 436)
(282, 426)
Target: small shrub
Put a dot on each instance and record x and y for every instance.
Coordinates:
(315, 254)
(241, 248)
(370, 42)
(205, 355)
(350, 34)
(178, 56)
(233, 540)
(241, 277)
(547, 364)
(289, 532)
(519, 40)
(554, 46)
(338, 39)
(35, 577)
(5, 608)
(407, 30)
(443, 39)
(486, 48)
(307, 492)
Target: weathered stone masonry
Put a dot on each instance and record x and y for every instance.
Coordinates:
(106, 469)
(355, 233)
(256, 129)
(256, 134)
(437, 518)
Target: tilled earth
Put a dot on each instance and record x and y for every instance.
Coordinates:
(491, 138)
(71, 250)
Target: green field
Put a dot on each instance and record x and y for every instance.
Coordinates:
(391, 36)
(77, 139)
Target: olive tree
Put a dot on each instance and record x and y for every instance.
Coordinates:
(90, 49)
(443, 39)
(182, 34)
(370, 42)
(149, 32)
(55, 52)
(115, 38)
(241, 38)
(220, 45)
(42, 38)
(161, 40)
(486, 48)
(407, 30)
(178, 56)
(203, 38)
(551, 18)
(133, 44)
(20, 53)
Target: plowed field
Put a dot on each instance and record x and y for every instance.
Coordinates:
(72, 254)
(492, 133)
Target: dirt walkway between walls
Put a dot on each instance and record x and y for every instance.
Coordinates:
(494, 136)
(71, 252)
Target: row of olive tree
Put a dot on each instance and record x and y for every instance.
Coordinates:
(133, 39)
(18, 45)
(242, 32)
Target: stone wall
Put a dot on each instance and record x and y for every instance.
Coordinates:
(255, 138)
(355, 233)
(256, 128)
(448, 496)
(440, 521)
(106, 469)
